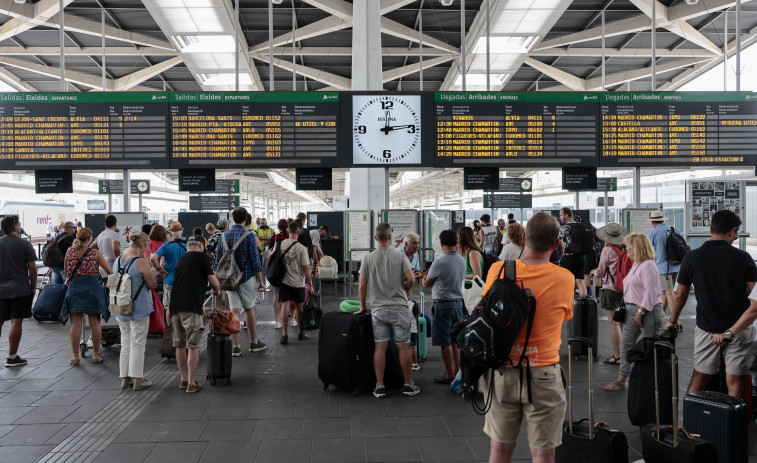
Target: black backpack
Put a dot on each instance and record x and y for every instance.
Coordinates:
(675, 247)
(51, 255)
(489, 259)
(581, 238)
(487, 337)
(277, 269)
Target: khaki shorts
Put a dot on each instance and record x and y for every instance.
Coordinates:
(244, 297)
(187, 330)
(707, 354)
(391, 321)
(668, 281)
(167, 296)
(544, 417)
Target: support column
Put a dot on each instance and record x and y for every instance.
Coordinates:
(369, 188)
(637, 187)
(127, 184)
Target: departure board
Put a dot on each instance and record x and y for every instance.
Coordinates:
(511, 129)
(83, 130)
(679, 129)
(255, 129)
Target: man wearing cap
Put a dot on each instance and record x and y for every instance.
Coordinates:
(668, 272)
(315, 237)
(221, 227)
(171, 252)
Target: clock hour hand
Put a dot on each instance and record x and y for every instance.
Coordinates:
(388, 129)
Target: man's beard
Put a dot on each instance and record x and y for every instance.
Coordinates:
(264, 227)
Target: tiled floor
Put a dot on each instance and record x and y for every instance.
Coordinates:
(274, 410)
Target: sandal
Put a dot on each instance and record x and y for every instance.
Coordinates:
(74, 361)
(96, 358)
(616, 386)
(612, 360)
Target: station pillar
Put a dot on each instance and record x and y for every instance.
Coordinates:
(369, 187)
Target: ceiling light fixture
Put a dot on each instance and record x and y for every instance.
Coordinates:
(277, 2)
(19, 1)
(446, 2)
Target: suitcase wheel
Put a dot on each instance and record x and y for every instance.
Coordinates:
(212, 382)
(83, 349)
(325, 386)
(596, 358)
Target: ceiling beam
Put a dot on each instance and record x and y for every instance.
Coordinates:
(569, 80)
(14, 81)
(43, 11)
(87, 51)
(398, 73)
(347, 51)
(132, 80)
(688, 32)
(622, 27)
(338, 82)
(387, 6)
(645, 6)
(625, 52)
(683, 11)
(318, 28)
(619, 78)
(401, 31)
(87, 80)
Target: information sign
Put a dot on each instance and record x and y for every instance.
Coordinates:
(53, 181)
(313, 179)
(213, 203)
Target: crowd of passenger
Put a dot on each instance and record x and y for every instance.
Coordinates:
(723, 275)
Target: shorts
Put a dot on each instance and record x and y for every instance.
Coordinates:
(288, 293)
(668, 281)
(244, 296)
(413, 339)
(707, 354)
(446, 314)
(388, 322)
(610, 299)
(187, 330)
(16, 307)
(576, 263)
(591, 262)
(544, 417)
(167, 296)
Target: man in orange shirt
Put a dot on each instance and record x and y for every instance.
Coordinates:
(552, 287)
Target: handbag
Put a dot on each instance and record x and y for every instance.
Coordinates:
(224, 322)
(472, 290)
(620, 313)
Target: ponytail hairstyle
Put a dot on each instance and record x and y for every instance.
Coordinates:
(138, 239)
(81, 236)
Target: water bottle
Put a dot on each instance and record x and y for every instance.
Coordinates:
(260, 297)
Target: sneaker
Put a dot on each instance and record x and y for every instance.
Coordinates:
(194, 387)
(415, 367)
(379, 392)
(302, 336)
(138, 386)
(443, 379)
(410, 389)
(277, 325)
(183, 384)
(16, 362)
(284, 340)
(126, 383)
(236, 351)
(293, 323)
(257, 346)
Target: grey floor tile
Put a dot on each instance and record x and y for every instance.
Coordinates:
(176, 452)
(465, 425)
(320, 428)
(137, 431)
(228, 430)
(230, 451)
(31, 434)
(404, 406)
(417, 426)
(10, 414)
(46, 372)
(392, 449)
(74, 384)
(182, 411)
(274, 429)
(444, 449)
(60, 398)
(338, 450)
(351, 407)
(6, 428)
(65, 432)
(179, 431)
(227, 410)
(272, 451)
(307, 393)
(37, 384)
(22, 453)
(374, 427)
(316, 409)
(262, 410)
(48, 414)
(125, 453)
(22, 398)
(8, 383)
(481, 446)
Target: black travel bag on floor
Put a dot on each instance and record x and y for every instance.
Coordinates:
(584, 324)
(722, 420)
(219, 355)
(669, 443)
(584, 440)
(641, 382)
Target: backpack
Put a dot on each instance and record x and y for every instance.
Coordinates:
(675, 247)
(581, 238)
(277, 270)
(487, 337)
(622, 268)
(228, 273)
(51, 255)
(119, 286)
(488, 261)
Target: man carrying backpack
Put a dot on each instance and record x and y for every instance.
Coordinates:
(247, 259)
(63, 240)
(668, 270)
(552, 288)
(576, 249)
(171, 252)
(292, 289)
(488, 235)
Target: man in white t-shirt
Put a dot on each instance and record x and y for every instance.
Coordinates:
(315, 237)
(297, 263)
(488, 235)
(109, 241)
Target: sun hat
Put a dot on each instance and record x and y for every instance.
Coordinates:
(612, 233)
(657, 216)
(175, 226)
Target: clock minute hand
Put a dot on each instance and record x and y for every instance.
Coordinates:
(386, 128)
(398, 127)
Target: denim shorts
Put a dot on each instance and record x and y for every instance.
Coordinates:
(446, 314)
(391, 322)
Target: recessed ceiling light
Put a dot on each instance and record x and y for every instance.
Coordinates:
(20, 1)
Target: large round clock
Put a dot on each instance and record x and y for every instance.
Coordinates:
(386, 129)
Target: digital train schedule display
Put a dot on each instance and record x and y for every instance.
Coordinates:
(83, 130)
(527, 129)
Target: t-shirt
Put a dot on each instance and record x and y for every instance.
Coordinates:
(659, 238)
(415, 261)
(104, 243)
(552, 287)
(15, 255)
(448, 273)
(511, 251)
(385, 270)
(64, 240)
(719, 272)
(172, 251)
(190, 280)
(490, 238)
(315, 237)
(294, 259)
(304, 239)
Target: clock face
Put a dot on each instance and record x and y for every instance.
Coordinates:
(525, 184)
(142, 186)
(386, 129)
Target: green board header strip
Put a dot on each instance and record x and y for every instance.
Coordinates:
(95, 97)
(676, 97)
(254, 97)
(497, 97)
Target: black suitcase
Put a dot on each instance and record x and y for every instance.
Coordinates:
(584, 440)
(584, 324)
(641, 386)
(219, 356)
(666, 443)
(345, 351)
(722, 420)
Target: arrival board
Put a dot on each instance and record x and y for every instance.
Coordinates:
(255, 129)
(83, 130)
(512, 129)
(679, 129)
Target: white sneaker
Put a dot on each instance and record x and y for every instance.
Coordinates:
(277, 325)
(293, 322)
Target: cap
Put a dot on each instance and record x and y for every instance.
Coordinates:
(222, 223)
(324, 227)
(657, 216)
(175, 226)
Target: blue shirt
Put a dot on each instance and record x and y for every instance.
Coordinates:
(246, 255)
(448, 273)
(143, 303)
(171, 251)
(415, 261)
(659, 238)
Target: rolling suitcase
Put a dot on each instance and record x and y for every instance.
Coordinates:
(718, 384)
(423, 330)
(641, 384)
(219, 355)
(584, 324)
(584, 440)
(720, 419)
(345, 351)
(49, 303)
(666, 444)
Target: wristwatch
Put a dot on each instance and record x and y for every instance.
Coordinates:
(730, 333)
(641, 311)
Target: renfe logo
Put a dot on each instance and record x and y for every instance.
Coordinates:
(44, 220)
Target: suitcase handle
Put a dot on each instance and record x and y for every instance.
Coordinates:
(588, 342)
(675, 389)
